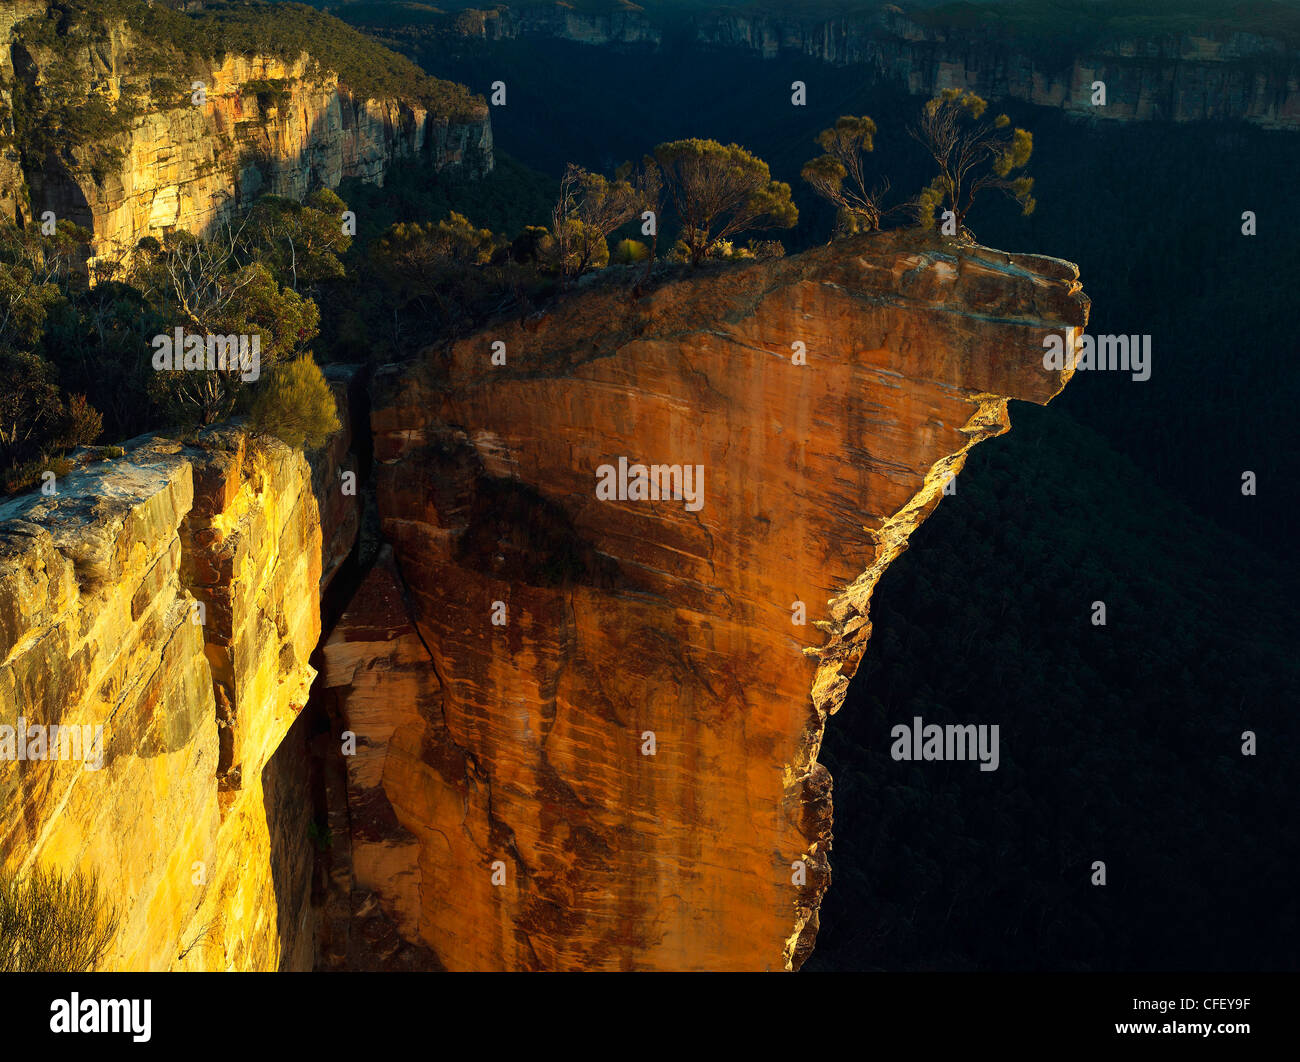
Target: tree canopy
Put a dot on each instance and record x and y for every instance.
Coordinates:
(973, 155)
(720, 191)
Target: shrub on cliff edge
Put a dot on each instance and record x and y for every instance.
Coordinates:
(973, 154)
(839, 174)
(49, 923)
(719, 192)
(296, 405)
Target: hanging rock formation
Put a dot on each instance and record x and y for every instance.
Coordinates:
(588, 729)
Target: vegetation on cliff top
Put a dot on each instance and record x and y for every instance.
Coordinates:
(250, 290)
(81, 354)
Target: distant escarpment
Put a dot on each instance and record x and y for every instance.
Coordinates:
(1155, 75)
(1178, 69)
(134, 120)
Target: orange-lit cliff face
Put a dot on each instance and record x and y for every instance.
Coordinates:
(588, 729)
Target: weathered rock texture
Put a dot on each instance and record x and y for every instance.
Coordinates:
(378, 674)
(520, 747)
(266, 126)
(501, 810)
(172, 598)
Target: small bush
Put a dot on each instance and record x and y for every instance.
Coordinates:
(766, 249)
(82, 423)
(28, 476)
(629, 252)
(296, 405)
(53, 924)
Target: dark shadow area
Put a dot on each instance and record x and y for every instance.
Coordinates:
(1120, 743)
(295, 831)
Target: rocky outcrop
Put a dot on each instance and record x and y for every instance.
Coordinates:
(185, 150)
(587, 729)
(170, 601)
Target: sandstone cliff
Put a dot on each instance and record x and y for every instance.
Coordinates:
(163, 159)
(172, 598)
(504, 669)
(497, 675)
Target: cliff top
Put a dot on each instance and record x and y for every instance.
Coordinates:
(154, 35)
(930, 274)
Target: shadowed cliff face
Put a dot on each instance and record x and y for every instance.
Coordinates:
(1175, 76)
(520, 746)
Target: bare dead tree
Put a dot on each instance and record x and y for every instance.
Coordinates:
(201, 276)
